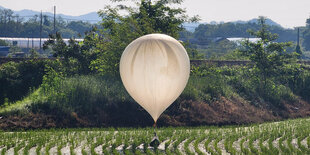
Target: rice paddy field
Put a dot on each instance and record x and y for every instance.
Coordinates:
(285, 137)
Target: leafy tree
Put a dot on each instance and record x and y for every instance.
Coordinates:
(119, 30)
(306, 42)
(268, 57)
(46, 21)
(13, 50)
(10, 24)
(79, 26)
(102, 48)
(77, 55)
(3, 43)
(192, 51)
(219, 48)
(298, 50)
(308, 22)
(17, 79)
(306, 36)
(33, 53)
(31, 28)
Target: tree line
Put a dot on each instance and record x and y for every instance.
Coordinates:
(205, 33)
(13, 25)
(306, 36)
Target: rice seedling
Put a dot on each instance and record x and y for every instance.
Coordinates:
(286, 137)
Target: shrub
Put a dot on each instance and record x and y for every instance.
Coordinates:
(17, 79)
(300, 84)
(250, 86)
(207, 83)
(82, 94)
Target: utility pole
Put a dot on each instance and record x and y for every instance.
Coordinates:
(41, 28)
(298, 49)
(297, 36)
(55, 19)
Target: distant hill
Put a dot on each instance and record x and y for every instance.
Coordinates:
(93, 17)
(191, 26)
(268, 22)
(90, 17)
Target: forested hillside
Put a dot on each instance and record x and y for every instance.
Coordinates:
(231, 30)
(210, 39)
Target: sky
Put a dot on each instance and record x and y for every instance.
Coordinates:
(288, 13)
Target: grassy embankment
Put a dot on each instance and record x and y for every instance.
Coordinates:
(102, 100)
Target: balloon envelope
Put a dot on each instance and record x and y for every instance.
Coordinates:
(155, 69)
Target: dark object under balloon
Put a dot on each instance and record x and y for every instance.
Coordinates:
(155, 141)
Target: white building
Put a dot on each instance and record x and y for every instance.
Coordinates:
(238, 40)
(29, 42)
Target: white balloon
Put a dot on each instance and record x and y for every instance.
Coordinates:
(155, 69)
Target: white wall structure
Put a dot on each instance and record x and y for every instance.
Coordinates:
(238, 40)
(30, 42)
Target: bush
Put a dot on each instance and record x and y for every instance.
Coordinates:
(82, 94)
(300, 84)
(253, 88)
(276, 93)
(3, 43)
(207, 83)
(17, 79)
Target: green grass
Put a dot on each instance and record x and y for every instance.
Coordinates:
(207, 83)
(84, 94)
(72, 94)
(21, 106)
(108, 140)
